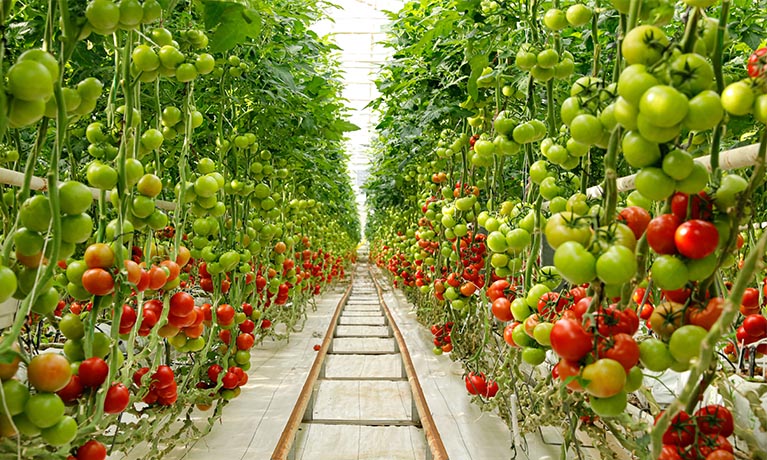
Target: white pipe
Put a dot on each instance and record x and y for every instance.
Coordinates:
(731, 159)
(15, 178)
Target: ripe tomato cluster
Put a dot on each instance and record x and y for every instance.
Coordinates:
(442, 341)
(478, 384)
(159, 387)
(702, 436)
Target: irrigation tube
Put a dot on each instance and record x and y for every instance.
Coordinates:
(731, 159)
(16, 179)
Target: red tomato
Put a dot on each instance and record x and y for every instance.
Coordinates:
(622, 348)
(93, 372)
(247, 326)
(714, 419)
(669, 452)
(708, 444)
(501, 309)
(158, 276)
(225, 314)
(173, 268)
(677, 295)
(705, 317)
(226, 336)
(245, 341)
(696, 238)
(699, 209)
(570, 341)
(117, 399)
(720, 455)
(491, 390)
(98, 281)
(755, 326)
(127, 319)
(139, 374)
(660, 233)
(92, 450)
(213, 372)
(750, 297)
(647, 310)
(565, 370)
(163, 377)
(681, 431)
(181, 304)
(507, 334)
(475, 383)
(636, 218)
(73, 390)
(230, 380)
(551, 303)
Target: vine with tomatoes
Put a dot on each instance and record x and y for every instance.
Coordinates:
(171, 196)
(577, 189)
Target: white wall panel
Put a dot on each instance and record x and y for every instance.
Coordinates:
(358, 27)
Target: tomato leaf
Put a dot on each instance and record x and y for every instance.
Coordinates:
(233, 24)
(477, 64)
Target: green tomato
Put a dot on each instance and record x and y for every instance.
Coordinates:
(542, 333)
(638, 151)
(574, 262)
(61, 433)
(44, 409)
(655, 355)
(738, 98)
(700, 269)
(678, 164)
(634, 81)
(520, 310)
(533, 356)
(654, 184)
(634, 380)
(617, 265)
(730, 187)
(669, 272)
(609, 407)
(691, 73)
(586, 129)
(566, 226)
(696, 181)
(535, 293)
(15, 397)
(685, 343)
(644, 44)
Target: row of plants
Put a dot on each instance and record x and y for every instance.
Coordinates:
(495, 204)
(184, 197)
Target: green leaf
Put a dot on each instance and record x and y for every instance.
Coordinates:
(345, 126)
(477, 64)
(233, 24)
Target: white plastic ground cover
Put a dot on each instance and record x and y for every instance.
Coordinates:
(252, 423)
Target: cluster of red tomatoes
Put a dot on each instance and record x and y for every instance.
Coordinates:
(92, 373)
(695, 237)
(753, 329)
(461, 285)
(231, 380)
(501, 293)
(442, 341)
(161, 387)
(478, 384)
(598, 354)
(700, 437)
